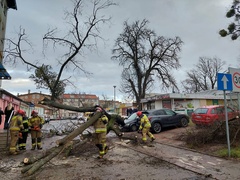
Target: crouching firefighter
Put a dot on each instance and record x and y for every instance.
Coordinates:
(16, 126)
(35, 123)
(145, 126)
(100, 127)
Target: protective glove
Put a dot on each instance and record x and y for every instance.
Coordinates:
(40, 126)
(20, 135)
(104, 122)
(36, 128)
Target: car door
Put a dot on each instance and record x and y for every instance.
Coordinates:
(231, 113)
(165, 116)
(159, 116)
(220, 114)
(173, 119)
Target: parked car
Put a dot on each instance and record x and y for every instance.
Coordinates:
(159, 118)
(208, 115)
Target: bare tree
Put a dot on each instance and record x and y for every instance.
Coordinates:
(145, 58)
(81, 35)
(204, 76)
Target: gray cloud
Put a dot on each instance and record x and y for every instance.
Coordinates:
(196, 22)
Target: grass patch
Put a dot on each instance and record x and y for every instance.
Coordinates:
(190, 122)
(234, 152)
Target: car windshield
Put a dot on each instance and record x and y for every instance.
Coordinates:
(131, 118)
(201, 111)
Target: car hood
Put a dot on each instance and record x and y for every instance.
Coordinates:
(128, 121)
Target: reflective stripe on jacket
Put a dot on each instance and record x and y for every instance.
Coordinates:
(25, 125)
(35, 121)
(99, 126)
(16, 123)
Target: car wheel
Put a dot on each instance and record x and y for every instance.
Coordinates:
(156, 127)
(134, 127)
(184, 122)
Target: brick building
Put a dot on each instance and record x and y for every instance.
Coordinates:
(32, 99)
(77, 100)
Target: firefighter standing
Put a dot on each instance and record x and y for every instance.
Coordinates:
(35, 123)
(23, 139)
(15, 126)
(145, 126)
(100, 127)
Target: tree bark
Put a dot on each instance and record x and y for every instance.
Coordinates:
(49, 102)
(32, 159)
(112, 124)
(79, 130)
(41, 162)
(29, 161)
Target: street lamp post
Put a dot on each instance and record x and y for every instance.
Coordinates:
(114, 103)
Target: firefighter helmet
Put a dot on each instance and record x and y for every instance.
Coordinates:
(21, 112)
(139, 113)
(34, 112)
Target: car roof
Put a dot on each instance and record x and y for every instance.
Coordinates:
(157, 109)
(211, 106)
(152, 110)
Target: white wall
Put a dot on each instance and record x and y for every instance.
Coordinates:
(158, 104)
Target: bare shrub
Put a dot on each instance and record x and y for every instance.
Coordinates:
(215, 134)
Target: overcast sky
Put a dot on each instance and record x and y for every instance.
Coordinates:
(196, 22)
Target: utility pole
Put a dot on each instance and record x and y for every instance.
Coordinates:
(114, 99)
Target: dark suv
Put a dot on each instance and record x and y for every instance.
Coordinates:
(159, 118)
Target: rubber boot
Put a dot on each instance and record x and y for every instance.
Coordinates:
(106, 149)
(33, 147)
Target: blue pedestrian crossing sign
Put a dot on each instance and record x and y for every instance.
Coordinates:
(224, 82)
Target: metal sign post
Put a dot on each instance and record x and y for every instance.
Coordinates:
(224, 82)
(227, 128)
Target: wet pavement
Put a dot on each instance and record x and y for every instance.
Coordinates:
(166, 148)
(170, 150)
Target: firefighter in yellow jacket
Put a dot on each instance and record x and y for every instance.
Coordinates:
(35, 123)
(100, 127)
(145, 126)
(16, 125)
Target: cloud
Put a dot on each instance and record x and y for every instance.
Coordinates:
(196, 22)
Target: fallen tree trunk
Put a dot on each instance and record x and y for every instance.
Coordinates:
(64, 142)
(32, 159)
(49, 102)
(76, 146)
(79, 130)
(43, 161)
(29, 161)
(113, 121)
